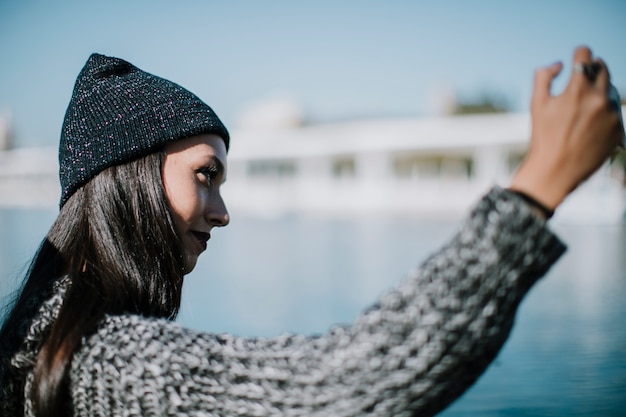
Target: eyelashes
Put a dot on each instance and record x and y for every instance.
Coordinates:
(210, 172)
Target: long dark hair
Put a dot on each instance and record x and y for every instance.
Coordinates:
(116, 241)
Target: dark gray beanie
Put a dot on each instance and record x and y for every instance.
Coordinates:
(118, 113)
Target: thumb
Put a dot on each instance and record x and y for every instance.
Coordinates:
(543, 82)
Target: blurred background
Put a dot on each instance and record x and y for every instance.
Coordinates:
(336, 59)
(362, 132)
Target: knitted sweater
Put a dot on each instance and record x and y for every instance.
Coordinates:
(411, 354)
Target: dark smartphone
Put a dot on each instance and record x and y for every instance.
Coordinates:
(616, 104)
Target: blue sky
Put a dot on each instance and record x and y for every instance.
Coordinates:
(338, 59)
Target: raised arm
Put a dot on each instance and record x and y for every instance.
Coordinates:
(413, 353)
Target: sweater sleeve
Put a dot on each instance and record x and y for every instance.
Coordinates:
(414, 352)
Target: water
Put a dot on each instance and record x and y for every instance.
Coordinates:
(265, 276)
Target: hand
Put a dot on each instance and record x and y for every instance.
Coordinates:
(572, 134)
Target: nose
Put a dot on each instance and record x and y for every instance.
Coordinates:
(217, 213)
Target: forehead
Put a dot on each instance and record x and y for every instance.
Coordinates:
(199, 146)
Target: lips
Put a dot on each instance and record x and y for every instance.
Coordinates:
(202, 238)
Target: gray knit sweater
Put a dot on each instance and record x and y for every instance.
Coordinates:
(419, 348)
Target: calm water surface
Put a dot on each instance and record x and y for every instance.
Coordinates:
(265, 276)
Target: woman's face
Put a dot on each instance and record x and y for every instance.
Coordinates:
(193, 171)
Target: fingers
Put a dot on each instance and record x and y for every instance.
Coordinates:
(582, 55)
(543, 81)
(579, 80)
(582, 74)
(588, 72)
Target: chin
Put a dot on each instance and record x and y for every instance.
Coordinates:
(190, 264)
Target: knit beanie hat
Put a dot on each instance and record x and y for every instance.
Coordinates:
(119, 113)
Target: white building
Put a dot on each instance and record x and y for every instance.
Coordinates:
(29, 177)
(435, 167)
(425, 166)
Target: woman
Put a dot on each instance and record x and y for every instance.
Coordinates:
(141, 164)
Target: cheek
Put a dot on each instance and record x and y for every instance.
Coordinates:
(184, 199)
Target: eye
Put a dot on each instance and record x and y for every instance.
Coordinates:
(210, 173)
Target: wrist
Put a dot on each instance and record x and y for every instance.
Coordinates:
(536, 207)
(544, 188)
